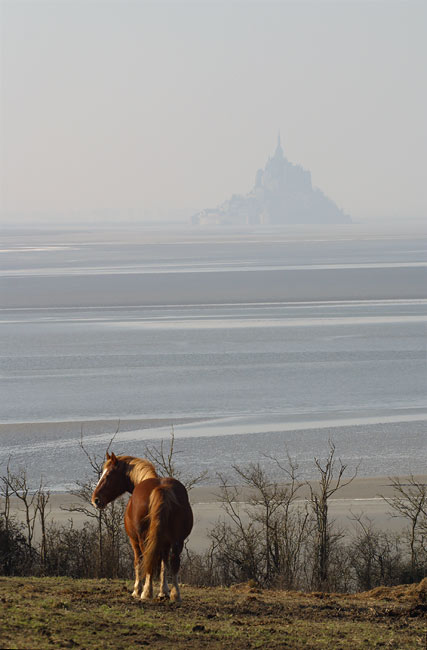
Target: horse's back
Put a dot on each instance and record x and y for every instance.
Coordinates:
(136, 520)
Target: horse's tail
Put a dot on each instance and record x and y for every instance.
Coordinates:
(162, 501)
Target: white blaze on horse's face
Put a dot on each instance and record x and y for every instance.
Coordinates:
(95, 502)
(100, 478)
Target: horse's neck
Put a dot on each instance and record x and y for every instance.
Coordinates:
(139, 470)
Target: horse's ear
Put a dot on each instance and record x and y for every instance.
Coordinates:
(108, 456)
(114, 458)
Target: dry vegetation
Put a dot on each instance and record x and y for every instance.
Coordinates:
(270, 534)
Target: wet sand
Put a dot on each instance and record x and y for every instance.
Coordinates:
(212, 287)
(362, 495)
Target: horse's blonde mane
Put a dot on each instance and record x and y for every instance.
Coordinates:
(138, 469)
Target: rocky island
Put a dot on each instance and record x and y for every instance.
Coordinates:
(283, 194)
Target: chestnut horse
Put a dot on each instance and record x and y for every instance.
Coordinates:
(158, 519)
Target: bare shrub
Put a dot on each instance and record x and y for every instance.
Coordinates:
(33, 504)
(74, 552)
(262, 538)
(377, 557)
(163, 457)
(409, 501)
(15, 556)
(15, 484)
(331, 479)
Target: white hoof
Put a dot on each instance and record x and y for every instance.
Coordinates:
(146, 597)
(175, 596)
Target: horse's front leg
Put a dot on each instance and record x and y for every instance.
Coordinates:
(164, 589)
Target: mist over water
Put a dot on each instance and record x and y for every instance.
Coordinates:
(259, 339)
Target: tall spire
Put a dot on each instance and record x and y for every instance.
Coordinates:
(279, 151)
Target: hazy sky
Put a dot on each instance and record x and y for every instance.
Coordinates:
(158, 107)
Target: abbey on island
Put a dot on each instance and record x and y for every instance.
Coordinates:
(282, 194)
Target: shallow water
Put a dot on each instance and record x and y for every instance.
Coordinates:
(349, 360)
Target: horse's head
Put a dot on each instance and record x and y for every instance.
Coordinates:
(112, 483)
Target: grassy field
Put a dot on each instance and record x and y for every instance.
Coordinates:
(92, 614)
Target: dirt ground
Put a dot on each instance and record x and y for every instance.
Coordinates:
(65, 613)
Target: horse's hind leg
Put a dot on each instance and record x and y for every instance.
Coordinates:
(147, 592)
(138, 568)
(175, 564)
(164, 588)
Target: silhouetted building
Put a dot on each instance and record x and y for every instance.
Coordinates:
(283, 194)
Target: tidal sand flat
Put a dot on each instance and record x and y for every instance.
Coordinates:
(52, 450)
(246, 342)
